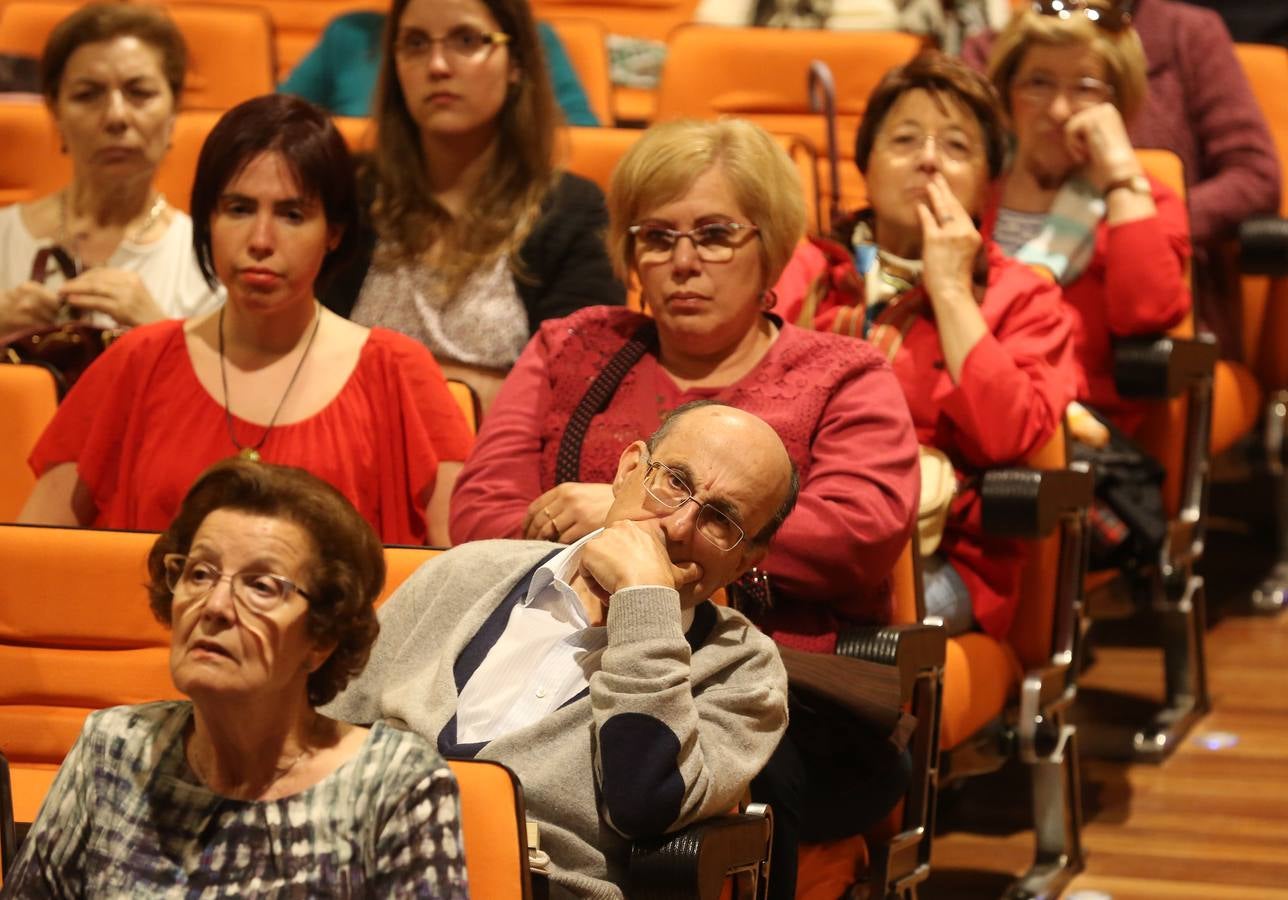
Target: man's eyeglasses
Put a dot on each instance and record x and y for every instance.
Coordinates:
(193, 579)
(463, 44)
(1113, 16)
(714, 242)
(668, 487)
(1039, 90)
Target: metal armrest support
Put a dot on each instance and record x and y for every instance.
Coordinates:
(903, 861)
(695, 861)
(1263, 246)
(1031, 503)
(1158, 367)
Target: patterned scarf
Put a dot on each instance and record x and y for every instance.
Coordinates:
(1064, 244)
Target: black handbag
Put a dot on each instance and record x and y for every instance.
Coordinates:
(67, 348)
(1128, 522)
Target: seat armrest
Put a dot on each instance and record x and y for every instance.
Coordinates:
(1157, 367)
(1263, 246)
(695, 861)
(911, 648)
(1021, 502)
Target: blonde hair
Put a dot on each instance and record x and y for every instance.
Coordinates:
(1120, 51)
(665, 162)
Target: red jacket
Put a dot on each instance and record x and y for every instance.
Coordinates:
(1135, 284)
(1014, 387)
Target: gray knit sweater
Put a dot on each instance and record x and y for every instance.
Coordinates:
(671, 731)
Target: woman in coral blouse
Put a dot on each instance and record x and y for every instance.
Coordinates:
(1076, 201)
(270, 374)
(980, 343)
(705, 215)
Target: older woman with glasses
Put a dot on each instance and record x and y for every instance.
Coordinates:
(980, 343)
(267, 579)
(1076, 203)
(1197, 104)
(476, 238)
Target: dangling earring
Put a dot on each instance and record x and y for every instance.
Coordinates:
(768, 300)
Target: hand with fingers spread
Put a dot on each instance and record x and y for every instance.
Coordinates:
(567, 512)
(116, 292)
(1097, 139)
(27, 306)
(949, 244)
(632, 553)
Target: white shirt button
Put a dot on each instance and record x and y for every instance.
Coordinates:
(541, 692)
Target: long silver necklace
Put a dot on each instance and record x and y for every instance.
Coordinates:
(72, 242)
(252, 451)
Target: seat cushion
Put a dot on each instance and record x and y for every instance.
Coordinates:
(826, 871)
(1236, 404)
(980, 675)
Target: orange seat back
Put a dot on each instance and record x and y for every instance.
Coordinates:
(178, 167)
(468, 400)
(593, 153)
(585, 41)
(31, 163)
(762, 74)
(29, 398)
(217, 77)
(359, 132)
(1264, 300)
(493, 827)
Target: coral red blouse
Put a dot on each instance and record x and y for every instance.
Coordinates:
(141, 428)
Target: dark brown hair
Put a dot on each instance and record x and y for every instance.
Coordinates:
(347, 573)
(103, 22)
(941, 76)
(313, 149)
(501, 214)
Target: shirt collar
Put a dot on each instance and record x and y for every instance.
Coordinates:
(556, 571)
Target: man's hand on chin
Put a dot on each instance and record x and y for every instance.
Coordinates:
(631, 554)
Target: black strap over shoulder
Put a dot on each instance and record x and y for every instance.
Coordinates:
(596, 398)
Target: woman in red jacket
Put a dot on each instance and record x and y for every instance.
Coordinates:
(1076, 202)
(979, 343)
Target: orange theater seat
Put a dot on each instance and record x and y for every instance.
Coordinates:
(31, 162)
(585, 41)
(216, 77)
(29, 398)
(494, 830)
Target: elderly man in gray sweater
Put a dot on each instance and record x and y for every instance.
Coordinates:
(628, 705)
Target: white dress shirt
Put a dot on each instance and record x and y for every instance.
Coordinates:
(543, 659)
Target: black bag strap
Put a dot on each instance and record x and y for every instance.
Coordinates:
(595, 400)
(40, 263)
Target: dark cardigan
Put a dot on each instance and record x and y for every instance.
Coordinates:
(564, 257)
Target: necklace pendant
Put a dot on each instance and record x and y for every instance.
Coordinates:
(249, 453)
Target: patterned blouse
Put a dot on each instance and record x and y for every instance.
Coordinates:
(126, 816)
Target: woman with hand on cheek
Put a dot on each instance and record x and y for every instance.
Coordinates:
(1076, 203)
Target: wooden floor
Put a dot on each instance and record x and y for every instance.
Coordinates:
(1210, 823)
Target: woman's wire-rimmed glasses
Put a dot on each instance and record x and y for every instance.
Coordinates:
(1040, 89)
(261, 591)
(464, 44)
(713, 242)
(1112, 16)
(668, 487)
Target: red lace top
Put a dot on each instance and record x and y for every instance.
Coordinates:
(141, 428)
(836, 405)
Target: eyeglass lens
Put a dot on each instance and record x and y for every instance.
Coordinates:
(667, 487)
